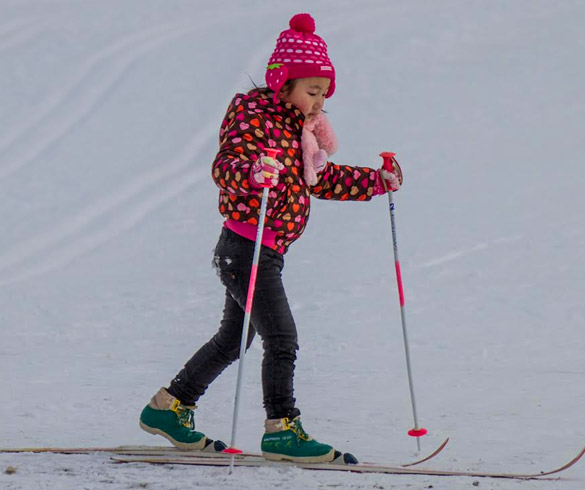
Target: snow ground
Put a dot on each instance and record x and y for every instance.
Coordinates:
(109, 118)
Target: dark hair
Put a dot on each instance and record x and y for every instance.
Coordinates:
(287, 86)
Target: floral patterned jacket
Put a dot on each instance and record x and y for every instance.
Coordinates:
(254, 122)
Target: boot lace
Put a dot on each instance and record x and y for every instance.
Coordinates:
(185, 415)
(297, 427)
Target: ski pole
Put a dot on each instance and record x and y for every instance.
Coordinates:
(232, 450)
(416, 431)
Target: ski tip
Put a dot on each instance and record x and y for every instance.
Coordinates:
(430, 456)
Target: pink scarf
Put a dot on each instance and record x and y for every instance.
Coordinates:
(318, 142)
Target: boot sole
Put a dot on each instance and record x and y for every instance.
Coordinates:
(196, 446)
(325, 458)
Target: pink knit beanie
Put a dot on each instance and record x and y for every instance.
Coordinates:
(299, 53)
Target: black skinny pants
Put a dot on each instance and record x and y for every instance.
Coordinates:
(271, 319)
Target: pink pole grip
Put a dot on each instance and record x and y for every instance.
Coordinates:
(274, 152)
(388, 156)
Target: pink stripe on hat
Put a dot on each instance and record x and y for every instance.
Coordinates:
(299, 53)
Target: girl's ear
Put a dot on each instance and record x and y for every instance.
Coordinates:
(286, 89)
(284, 92)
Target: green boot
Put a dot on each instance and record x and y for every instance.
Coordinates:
(166, 416)
(286, 439)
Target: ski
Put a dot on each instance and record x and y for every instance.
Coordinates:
(255, 461)
(171, 452)
(170, 455)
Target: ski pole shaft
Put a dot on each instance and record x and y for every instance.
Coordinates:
(417, 431)
(232, 450)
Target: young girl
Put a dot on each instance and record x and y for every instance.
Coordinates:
(286, 115)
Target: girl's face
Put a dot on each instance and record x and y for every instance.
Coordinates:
(307, 94)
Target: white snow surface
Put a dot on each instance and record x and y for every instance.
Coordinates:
(109, 114)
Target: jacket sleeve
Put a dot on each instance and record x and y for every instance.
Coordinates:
(345, 183)
(241, 140)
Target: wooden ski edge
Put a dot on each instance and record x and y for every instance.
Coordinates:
(126, 450)
(57, 450)
(430, 456)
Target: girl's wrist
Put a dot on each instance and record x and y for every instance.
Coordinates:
(379, 188)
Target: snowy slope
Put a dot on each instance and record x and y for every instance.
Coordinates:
(109, 113)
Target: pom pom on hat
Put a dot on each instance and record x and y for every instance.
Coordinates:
(302, 23)
(299, 53)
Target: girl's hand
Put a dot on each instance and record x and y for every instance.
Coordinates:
(388, 181)
(320, 161)
(265, 172)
